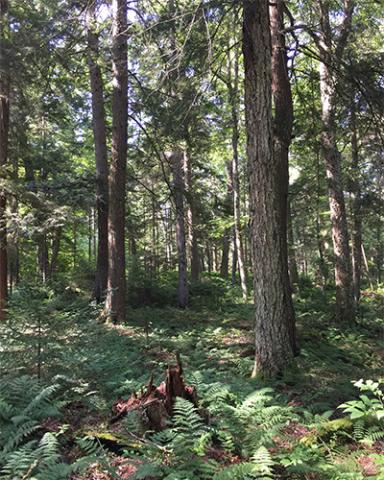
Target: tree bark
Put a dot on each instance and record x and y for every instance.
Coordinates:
(283, 126)
(115, 301)
(4, 131)
(357, 237)
(328, 82)
(55, 251)
(101, 153)
(273, 350)
(177, 163)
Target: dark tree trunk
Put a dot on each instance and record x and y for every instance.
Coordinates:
(4, 130)
(177, 163)
(101, 153)
(115, 301)
(272, 317)
(224, 265)
(357, 238)
(283, 125)
(328, 82)
(55, 251)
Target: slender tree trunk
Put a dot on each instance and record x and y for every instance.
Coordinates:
(228, 207)
(272, 319)
(177, 163)
(191, 217)
(283, 125)
(293, 272)
(343, 268)
(43, 257)
(357, 237)
(101, 153)
(55, 251)
(115, 301)
(234, 99)
(4, 130)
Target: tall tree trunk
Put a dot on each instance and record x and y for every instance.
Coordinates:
(234, 99)
(228, 208)
(115, 301)
(328, 82)
(357, 238)
(177, 163)
(4, 130)
(191, 216)
(282, 128)
(101, 153)
(272, 318)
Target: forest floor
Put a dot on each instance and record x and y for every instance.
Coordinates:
(59, 338)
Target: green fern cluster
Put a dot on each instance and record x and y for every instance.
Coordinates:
(26, 451)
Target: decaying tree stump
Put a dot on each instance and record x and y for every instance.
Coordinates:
(154, 405)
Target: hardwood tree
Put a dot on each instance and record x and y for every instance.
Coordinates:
(272, 322)
(116, 285)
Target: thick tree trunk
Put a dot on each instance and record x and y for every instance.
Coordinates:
(272, 319)
(4, 129)
(357, 237)
(343, 268)
(115, 301)
(177, 163)
(283, 125)
(234, 98)
(101, 153)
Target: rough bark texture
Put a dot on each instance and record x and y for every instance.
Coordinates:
(273, 343)
(177, 163)
(283, 125)
(357, 238)
(4, 129)
(101, 153)
(233, 98)
(115, 301)
(328, 83)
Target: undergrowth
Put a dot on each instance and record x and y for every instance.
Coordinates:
(62, 369)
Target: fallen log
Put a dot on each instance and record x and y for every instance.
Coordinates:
(154, 405)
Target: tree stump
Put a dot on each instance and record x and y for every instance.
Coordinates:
(154, 405)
